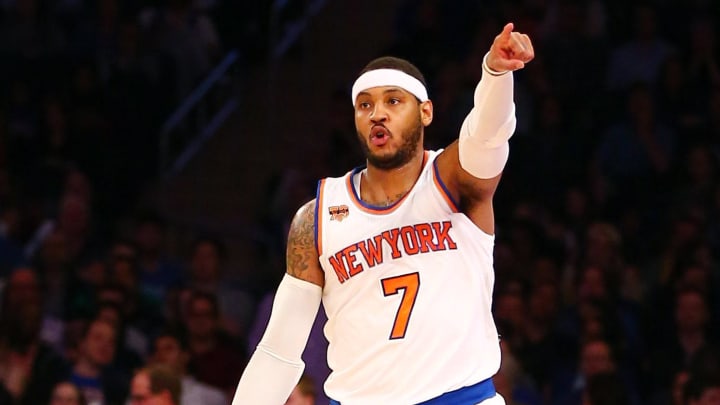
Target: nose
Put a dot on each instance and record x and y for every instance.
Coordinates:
(378, 113)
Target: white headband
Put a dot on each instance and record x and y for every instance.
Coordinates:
(389, 77)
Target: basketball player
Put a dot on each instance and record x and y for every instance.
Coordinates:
(400, 252)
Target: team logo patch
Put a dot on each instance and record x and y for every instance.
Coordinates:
(338, 212)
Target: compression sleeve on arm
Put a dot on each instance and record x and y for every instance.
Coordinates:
(276, 366)
(484, 134)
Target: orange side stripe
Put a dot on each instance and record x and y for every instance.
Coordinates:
(443, 191)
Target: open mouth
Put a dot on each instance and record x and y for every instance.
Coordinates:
(379, 135)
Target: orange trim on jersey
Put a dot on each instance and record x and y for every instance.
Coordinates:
(444, 192)
(318, 219)
(372, 209)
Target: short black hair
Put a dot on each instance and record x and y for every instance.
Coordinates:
(392, 62)
(216, 243)
(173, 332)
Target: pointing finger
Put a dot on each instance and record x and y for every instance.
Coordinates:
(507, 31)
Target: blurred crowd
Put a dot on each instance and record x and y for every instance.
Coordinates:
(608, 215)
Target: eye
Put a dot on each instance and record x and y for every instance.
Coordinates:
(363, 105)
(394, 101)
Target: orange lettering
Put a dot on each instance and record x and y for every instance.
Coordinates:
(443, 236)
(409, 239)
(339, 267)
(351, 259)
(425, 238)
(372, 250)
(391, 237)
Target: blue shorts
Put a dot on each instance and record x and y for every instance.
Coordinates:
(471, 395)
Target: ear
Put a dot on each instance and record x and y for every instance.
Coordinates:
(426, 112)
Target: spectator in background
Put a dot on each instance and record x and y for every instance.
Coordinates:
(73, 219)
(29, 367)
(512, 381)
(702, 390)
(596, 359)
(597, 312)
(640, 58)
(24, 292)
(215, 358)
(11, 252)
(606, 389)
(690, 345)
(170, 349)
(702, 54)
(672, 395)
(56, 274)
(129, 346)
(156, 384)
(92, 371)
(158, 272)
(542, 349)
(67, 393)
(187, 37)
(207, 274)
(140, 311)
(637, 151)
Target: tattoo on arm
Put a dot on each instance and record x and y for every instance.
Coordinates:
(302, 255)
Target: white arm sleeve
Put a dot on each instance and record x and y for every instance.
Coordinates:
(276, 366)
(484, 134)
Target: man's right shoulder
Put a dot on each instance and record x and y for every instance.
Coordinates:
(302, 257)
(305, 214)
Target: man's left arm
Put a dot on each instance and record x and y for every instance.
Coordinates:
(471, 167)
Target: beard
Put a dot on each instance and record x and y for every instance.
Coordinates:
(403, 155)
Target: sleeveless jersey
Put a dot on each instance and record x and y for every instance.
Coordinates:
(407, 293)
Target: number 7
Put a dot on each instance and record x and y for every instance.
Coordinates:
(410, 283)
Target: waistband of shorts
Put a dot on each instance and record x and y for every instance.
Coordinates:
(470, 395)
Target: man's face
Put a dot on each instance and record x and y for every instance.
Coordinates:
(205, 263)
(596, 359)
(200, 318)
(99, 343)
(141, 394)
(168, 352)
(690, 311)
(389, 123)
(65, 394)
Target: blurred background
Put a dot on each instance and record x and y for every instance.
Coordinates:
(152, 154)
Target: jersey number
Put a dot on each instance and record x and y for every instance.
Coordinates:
(409, 283)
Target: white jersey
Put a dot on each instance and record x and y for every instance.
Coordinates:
(407, 293)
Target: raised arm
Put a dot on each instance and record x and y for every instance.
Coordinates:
(276, 365)
(472, 165)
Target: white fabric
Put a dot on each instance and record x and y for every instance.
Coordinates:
(484, 134)
(450, 341)
(389, 77)
(276, 366)
(496, 400)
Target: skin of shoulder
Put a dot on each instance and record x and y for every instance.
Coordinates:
(302, 256)
(473, 194)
